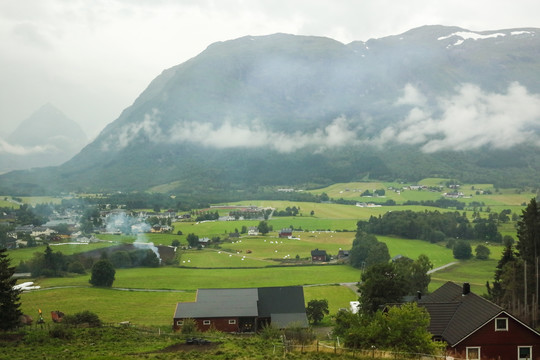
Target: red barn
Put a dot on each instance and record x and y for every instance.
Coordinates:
(244, 310)
(285, 233)
(475, 328)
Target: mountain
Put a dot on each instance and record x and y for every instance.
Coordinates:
(46, 138)
(289, 110)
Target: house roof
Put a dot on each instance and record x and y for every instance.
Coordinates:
(318, 252)
(284, 305)
(455, 315)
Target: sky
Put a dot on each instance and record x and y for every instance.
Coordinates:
(92, 58)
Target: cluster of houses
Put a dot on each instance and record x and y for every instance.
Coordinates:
(471, 326)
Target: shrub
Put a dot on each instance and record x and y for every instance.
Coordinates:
(189, 327)
(60, 332)
(83, 317)
(76, 267)
(270, 332)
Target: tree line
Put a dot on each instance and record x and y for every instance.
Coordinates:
(433, 226)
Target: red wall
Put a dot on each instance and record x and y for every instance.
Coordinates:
(221, 324)
(500, 344)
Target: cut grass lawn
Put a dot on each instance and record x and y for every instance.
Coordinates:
(144, 308)
(178, 278)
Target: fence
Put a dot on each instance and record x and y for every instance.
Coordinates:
(335, 348)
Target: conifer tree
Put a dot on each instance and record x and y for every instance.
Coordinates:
(9, 297)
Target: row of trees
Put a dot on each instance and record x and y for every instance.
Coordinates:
(432, 226)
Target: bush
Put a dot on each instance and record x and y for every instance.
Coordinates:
(462, 250)
(189, 327)
(60, 332)
(83, 317)
(270, 332)
(76, 267)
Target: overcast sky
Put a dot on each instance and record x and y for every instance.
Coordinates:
(92, 58)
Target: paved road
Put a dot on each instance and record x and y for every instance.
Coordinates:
(441, 267)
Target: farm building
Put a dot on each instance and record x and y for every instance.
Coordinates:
(318, 255)
(475, 328)
(244, 310)
(284, 233)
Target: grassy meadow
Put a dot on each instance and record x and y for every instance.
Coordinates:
(252, 261)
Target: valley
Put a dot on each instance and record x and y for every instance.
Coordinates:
(266, 260)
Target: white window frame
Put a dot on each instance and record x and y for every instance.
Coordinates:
(501, 329)
(232, 321)
(180, 322)
(206, 322)
(530, 352)
(470, 348)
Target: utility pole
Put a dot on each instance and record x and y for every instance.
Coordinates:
(525, 292)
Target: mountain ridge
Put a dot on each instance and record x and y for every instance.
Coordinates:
(267, 104)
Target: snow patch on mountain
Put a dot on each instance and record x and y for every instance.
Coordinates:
(465, 35)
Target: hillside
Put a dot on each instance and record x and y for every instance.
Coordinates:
(290, 110)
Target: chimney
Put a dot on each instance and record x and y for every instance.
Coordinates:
(419, 295)
(466, 288)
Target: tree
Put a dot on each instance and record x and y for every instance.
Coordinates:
(175, 243)
(528, 233)
(408, 329)
(381, 284)
(151, 259)
(402, 328)
(367, 250)
(419, 278)
(462, 250)
(263, 227)
(482, 252)
(102, 274)
(9, 298)
(316, 310)
(193, 240)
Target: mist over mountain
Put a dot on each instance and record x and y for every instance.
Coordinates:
(46, 138)
(290, 110)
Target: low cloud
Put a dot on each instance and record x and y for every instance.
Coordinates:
(7, 148)
(229, 135)
(469, 119)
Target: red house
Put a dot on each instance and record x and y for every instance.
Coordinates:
(475, 328)
(318, 255)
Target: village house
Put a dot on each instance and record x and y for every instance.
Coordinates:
(253, 231)
(244, 310)
(318, 255)
(475, 328)
(285, 233)
(343, 254)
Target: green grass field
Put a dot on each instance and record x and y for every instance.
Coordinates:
(245, 262)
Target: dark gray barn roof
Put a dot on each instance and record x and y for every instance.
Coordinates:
(220, 303)
(284, 305)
